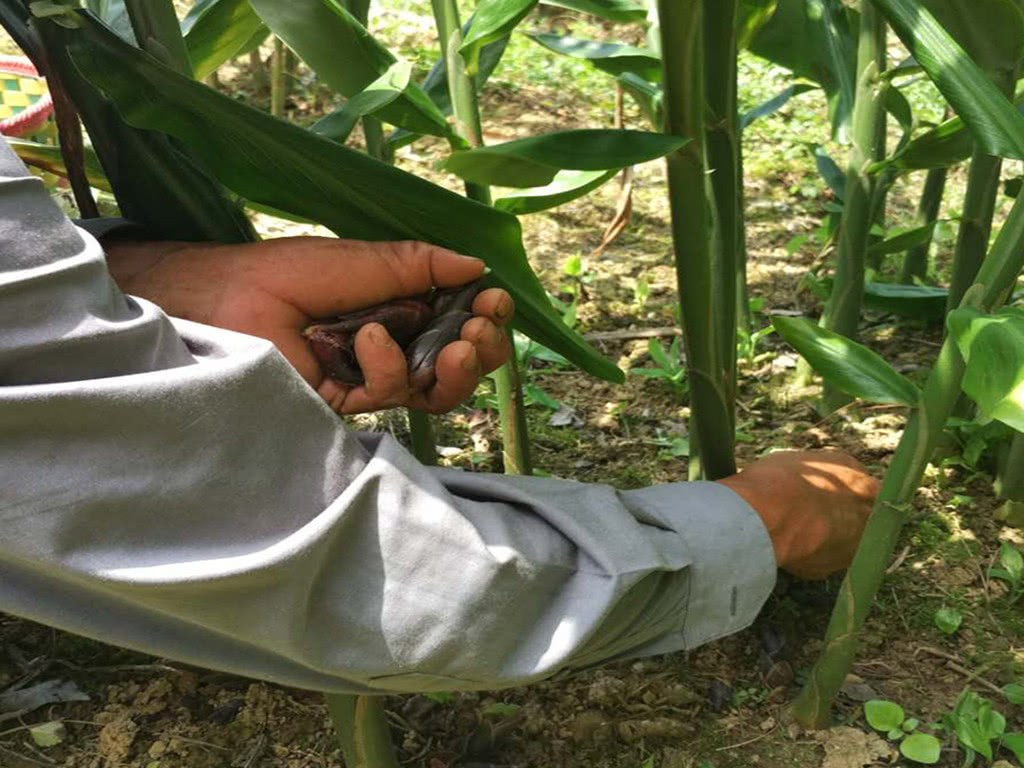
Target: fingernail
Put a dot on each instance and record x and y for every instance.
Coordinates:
(379, 336)
(504, 308)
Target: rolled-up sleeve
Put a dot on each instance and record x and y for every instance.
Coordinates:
(178, 489)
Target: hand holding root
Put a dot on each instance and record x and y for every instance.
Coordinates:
(421, 327)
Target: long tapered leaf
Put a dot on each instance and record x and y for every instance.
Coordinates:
(48, 157)
(114, 14)
(993, 348)
(903, 241)
(492, 20)
(609, 10)
(385, 89)
(291, 169)
(613, 58)
(347, 57)
(845, 364)
(565, 187)
(995, 122)
(921, 302)
(156, 182)
(775, 103)
(217, 30)
(752, 17)
(813, 39)
(534, 161)
(990, 31)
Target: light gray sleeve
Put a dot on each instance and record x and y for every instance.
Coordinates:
(178, 489)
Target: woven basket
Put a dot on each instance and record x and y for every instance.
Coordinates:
(25, 103)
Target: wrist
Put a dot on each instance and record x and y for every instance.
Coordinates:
(763, 505)
(127, 260)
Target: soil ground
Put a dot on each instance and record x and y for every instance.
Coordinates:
(722, 706)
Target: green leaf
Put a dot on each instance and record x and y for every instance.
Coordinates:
(1014, 693)
(752, 17)
(377, 95)
(993, 348)
(1012, 560)
(946, 145)
(830, 172)
(994, 121)
(273, 163)
(613, 58)
(347, 58)
(1015, 743)
(492, 20)
(921, 302)
(48, 734)
(534, 161)
(921, 748)
(847, 365)
(218, 30)
(883, 715)
(610, 10)
(992, 722)
(990, 31)
(566, 186)
(114, 14)
(903, 241)
(948, 620)
(648, 96)
(49, 158)
(814, 39)
(775, 103)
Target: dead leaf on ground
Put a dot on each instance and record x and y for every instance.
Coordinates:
(852, 748)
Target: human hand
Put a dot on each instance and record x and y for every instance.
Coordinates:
(275, 288)
(814, 504)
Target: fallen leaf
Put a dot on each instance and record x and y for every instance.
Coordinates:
(852, 748)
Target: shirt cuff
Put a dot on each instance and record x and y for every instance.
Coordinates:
(732, 570)
(114, 229)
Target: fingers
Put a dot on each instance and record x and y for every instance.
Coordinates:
(494, 304)
(383, 364)
(490, 341)
(458, 374)
(324, 276)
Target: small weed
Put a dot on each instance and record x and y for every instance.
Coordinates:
(668, 365)
(1010, 571)
(888, 717)
(948, 620)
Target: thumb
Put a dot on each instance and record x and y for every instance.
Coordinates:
(325, 276)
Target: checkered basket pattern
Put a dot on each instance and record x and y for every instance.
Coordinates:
(25, 103)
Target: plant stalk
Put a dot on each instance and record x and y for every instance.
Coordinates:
(724, 150)
(998, 274)
(363, 730)
(842, 311)
(158, 33)
(712, 437)
(466, 111)
(915, 263)
(277, 79)
(975, 224)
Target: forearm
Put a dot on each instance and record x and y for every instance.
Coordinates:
(178, 489)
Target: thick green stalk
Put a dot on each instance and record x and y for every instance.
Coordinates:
(363, 731)
(693, 235)
(158, 32)
(842, 311)
(466, 111)
(1010, 478)
(724, 150)
(998, 274)
(975, 224)
(915, 263)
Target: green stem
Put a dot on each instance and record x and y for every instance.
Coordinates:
(975, 224)
(421, 437)
(466, 111)
(277, 79)
(711, 424)
(842, 311)
(363, 730)
(158, 32)
(998, 274)
(722, 139)
(915, 263)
